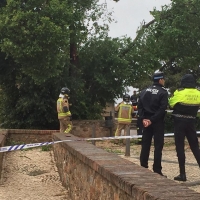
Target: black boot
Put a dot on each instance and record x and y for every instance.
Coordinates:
(161, 174)
(182, 175)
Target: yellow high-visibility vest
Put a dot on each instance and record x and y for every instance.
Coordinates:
(188, 96)
(124, 114)
(60, 111)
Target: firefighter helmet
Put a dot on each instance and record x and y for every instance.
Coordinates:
(126, 98)
(65, 90)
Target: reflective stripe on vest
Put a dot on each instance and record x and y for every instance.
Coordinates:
(64, 114)
(128, 109)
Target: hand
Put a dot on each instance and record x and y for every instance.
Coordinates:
(146, 122)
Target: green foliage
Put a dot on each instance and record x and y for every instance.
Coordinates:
(46, 147)
(29, 106)
(36, 36)
(11, 142)
(104, 74)
(48, 45)
(169, 126)
(117, 151)
(34, 53)
(170, 42)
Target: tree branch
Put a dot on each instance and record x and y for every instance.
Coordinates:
(140, 32)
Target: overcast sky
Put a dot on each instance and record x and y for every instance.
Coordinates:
(130, 13)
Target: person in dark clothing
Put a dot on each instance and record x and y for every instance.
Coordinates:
(185, 103)
(134, 98)
(152, 105)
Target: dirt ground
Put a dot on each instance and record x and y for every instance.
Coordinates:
(32, 174)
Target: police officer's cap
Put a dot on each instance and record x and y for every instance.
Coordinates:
(158, 75)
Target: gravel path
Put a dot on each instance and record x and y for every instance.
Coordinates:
(31, 175)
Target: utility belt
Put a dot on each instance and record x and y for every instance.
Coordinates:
(184, 116)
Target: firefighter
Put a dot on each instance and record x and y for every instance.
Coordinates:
(64, 114)
(152, 105)
(125, 111)
(185, 104)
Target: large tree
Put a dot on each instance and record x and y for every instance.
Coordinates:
(39, 39)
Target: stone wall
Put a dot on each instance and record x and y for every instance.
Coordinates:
(91, 173)
(84, 128)
(3, 135)
(81, 128)
(20, 136)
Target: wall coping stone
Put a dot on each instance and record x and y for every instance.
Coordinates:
(28, 131)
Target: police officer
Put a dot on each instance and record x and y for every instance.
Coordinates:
(64, 114)
(125, 111)
(185, 104)
(153, 102)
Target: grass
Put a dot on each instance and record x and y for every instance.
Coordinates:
(13, 142)
(46, 148)
(117, 151)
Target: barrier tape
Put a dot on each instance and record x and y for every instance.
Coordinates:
(26, 146)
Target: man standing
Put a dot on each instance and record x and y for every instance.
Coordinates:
(152, 104)
(64, 115)
(134, 98)
(185, 104)
(125, 111)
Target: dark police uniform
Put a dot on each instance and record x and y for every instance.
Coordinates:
(185, 104)
(152, 105)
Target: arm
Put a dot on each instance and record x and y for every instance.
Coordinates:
(140, 108)
(117, 107)
(174, 99)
